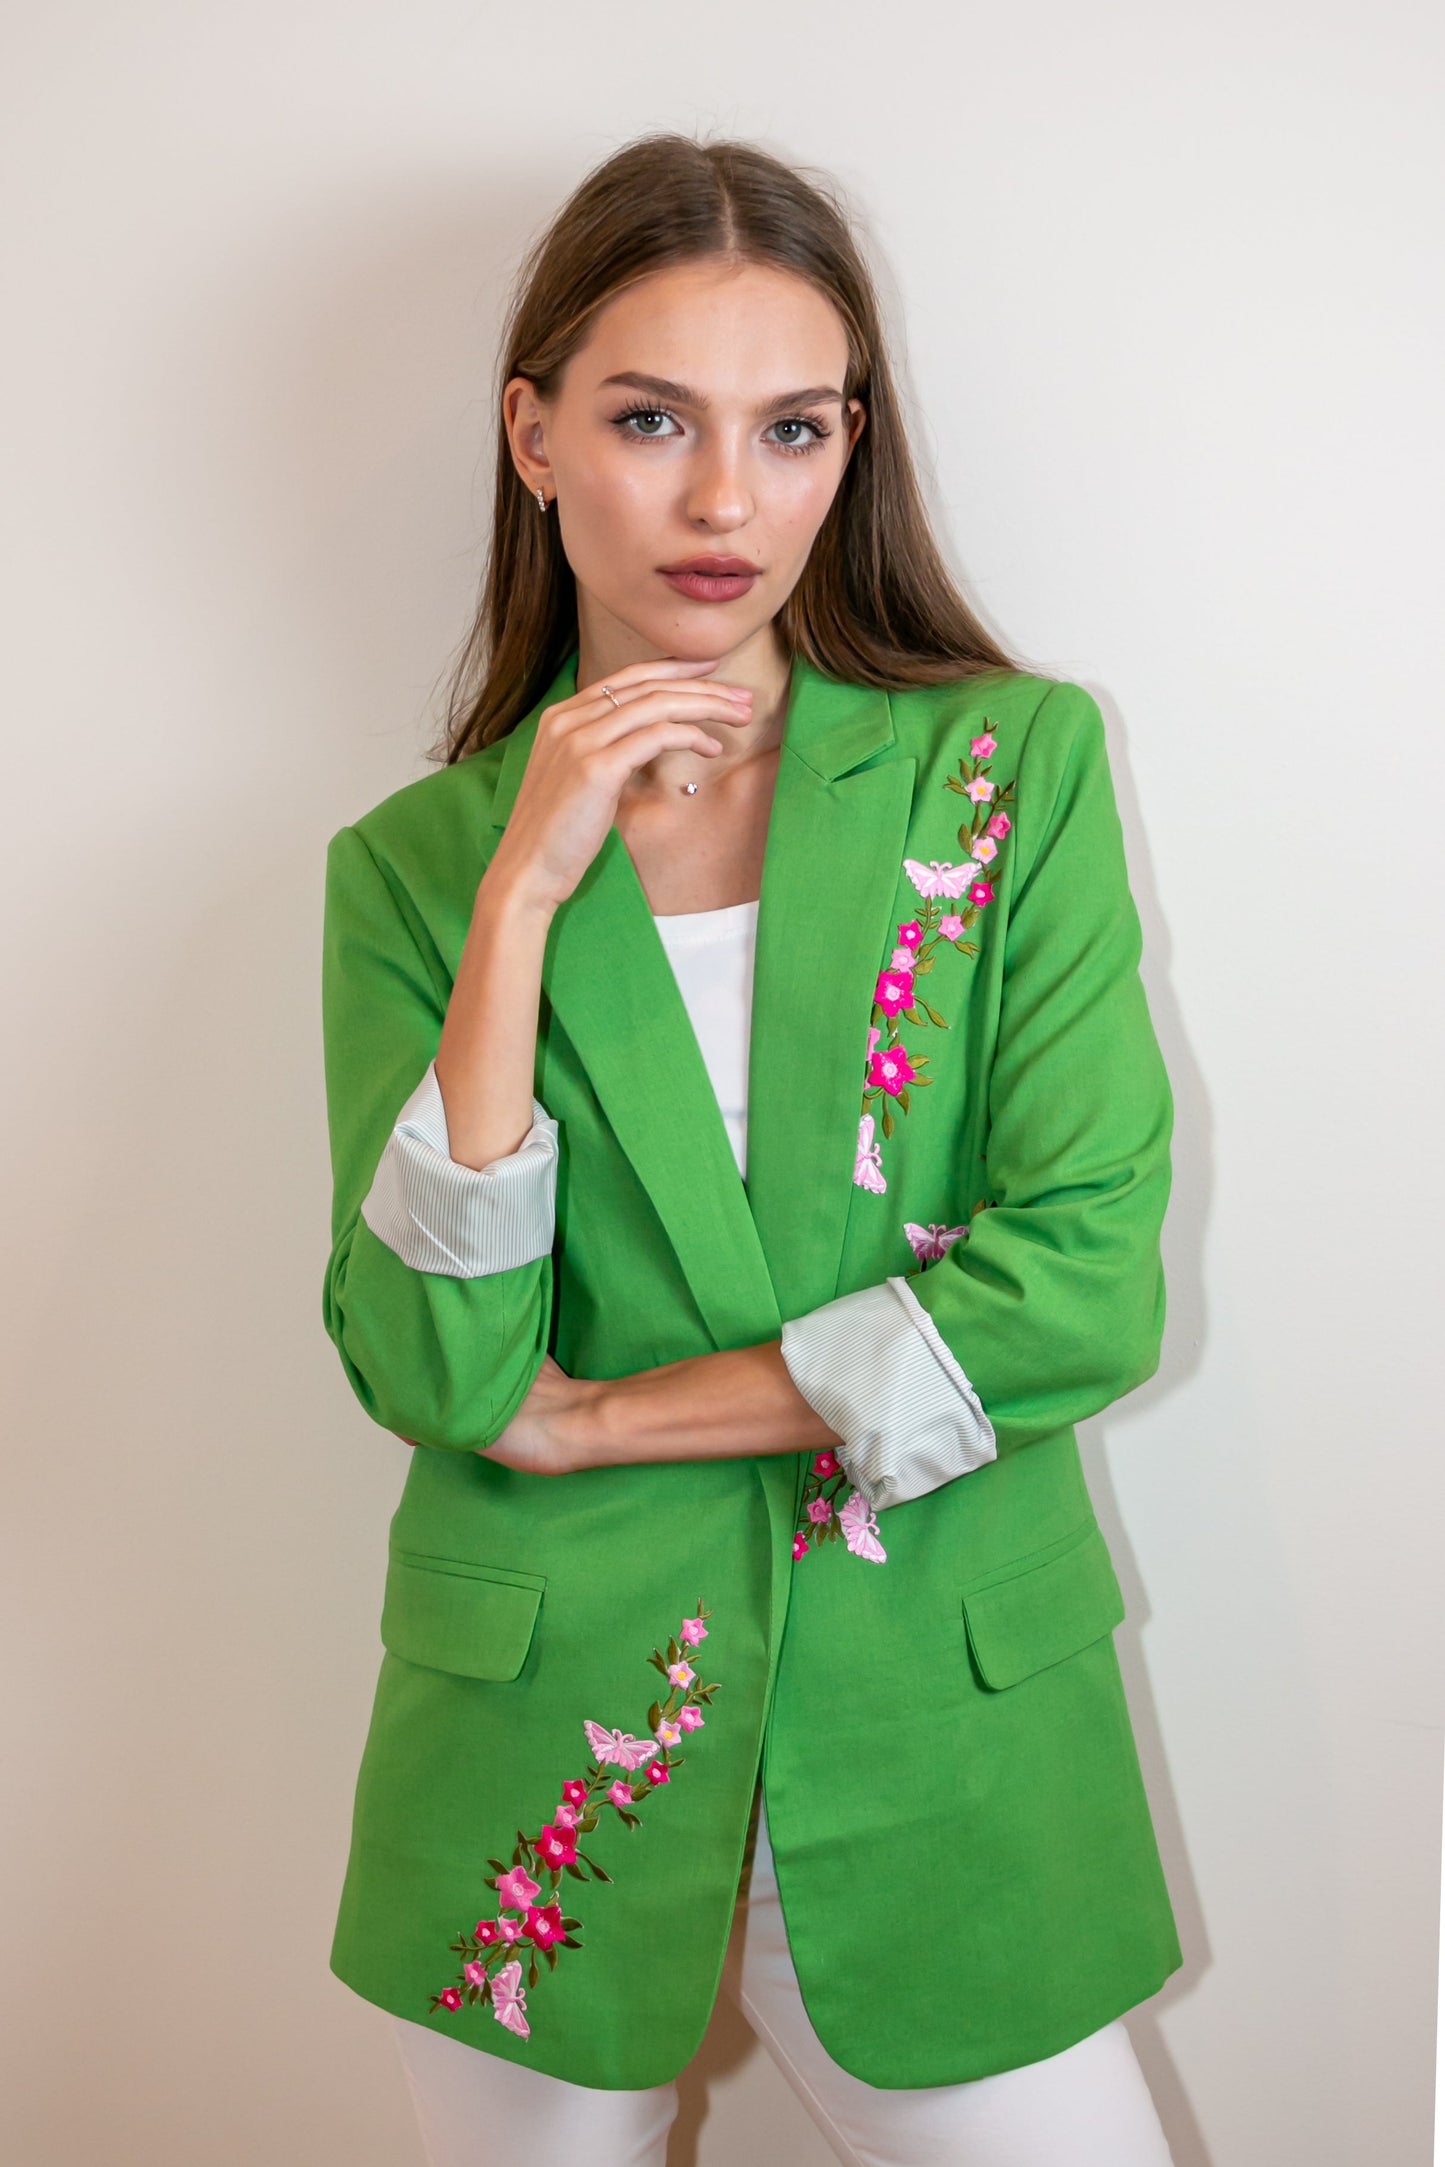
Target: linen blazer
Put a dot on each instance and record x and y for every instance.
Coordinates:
(965, 1852)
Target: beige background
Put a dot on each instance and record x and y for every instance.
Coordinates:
(1166, 283)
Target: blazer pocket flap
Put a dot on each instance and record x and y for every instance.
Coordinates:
(1026, 1619)
(474, 1620)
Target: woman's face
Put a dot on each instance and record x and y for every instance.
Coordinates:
(704, 417)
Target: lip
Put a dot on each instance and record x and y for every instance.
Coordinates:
(710, 564)
(711, 579)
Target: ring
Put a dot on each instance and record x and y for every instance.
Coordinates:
(612, 696)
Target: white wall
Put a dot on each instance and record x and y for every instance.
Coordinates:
(1166, 282)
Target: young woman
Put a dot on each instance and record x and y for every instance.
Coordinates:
(750, 1150)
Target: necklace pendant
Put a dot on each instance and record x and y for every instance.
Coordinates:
(689, 787)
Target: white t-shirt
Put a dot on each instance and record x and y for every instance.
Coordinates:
(711, 953)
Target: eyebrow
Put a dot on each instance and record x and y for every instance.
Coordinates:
(682, 395)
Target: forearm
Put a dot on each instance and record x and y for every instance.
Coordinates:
(735, 1405)
(485, 1059)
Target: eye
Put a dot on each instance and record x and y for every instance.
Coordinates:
(641, 413)
(623, 424)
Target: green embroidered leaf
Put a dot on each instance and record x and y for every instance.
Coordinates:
(903, 1097)
(601, 1874)
(532, 1973)
(551, 1956)
(654, 1713)
(575, 1870)
(887, 1123)
(569, 1943)
(934, 1017)
(911, 1015)
(673, 1651)
(657, 1659)
(500, 1867)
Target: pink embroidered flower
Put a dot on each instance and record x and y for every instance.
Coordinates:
(450, 1998)
(1000, 824)
(566, 1816)
(901, 960)
(669, 1732)
(874, 1034)
(800, 1546)
(980, 893)
(910, 935)
(487, 1933)
(509, 1930)
(691, 1631)
(545, 1926)
(825, 1462)
(820, 1509)
(659, 1772)
(556, 1846)
(574, 1792)
(891, 1068)
(516, 1888)
(981, 747)
(894, 991)
(681, 1673)
(620, 1793)
(690, 1718)
(474, 1973)
(985, 850)
(950, 925)
(980, 790)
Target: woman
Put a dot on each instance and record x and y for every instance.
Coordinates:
(750, 1151)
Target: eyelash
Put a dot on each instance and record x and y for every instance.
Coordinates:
(821, 429)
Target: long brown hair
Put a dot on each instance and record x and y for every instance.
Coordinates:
(875, 604)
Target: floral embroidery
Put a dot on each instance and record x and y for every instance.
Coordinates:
(892, 1070)
(825, 1520)
(542, 1928)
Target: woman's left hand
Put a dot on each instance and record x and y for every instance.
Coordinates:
(547, 1434)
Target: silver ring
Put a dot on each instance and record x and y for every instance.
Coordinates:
(612, 696)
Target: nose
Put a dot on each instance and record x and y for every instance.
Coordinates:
(719, 495)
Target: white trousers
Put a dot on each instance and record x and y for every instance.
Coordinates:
(1087, 2107)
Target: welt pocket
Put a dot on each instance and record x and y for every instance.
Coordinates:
(1042, 1607)
(450, 1614)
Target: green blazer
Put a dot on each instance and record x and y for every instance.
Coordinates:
(964, 1846)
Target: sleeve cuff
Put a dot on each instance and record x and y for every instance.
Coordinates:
(464, 1221)
(874, 1365)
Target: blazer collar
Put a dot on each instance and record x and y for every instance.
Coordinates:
(754, 1252)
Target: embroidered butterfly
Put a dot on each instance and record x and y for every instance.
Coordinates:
(509, 2000)
(932, 1241)
(860, 1529)
(939, 879)
(619, 1747)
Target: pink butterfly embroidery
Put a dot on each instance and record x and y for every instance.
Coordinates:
(868, 1166)
(860, 1529)
(932, 1240)
(509, 2002)
(939, 879)
(618, 1746)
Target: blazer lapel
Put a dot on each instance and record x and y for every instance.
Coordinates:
(751, 1253)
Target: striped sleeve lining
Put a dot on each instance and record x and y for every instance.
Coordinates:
(875, 1367)
(466, 1222)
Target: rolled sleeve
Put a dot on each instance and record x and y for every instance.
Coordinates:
(874, 1365)
(466, 1222)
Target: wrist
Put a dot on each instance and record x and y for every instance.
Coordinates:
(585, 1430)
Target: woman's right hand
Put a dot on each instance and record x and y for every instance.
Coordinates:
(585, 751)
